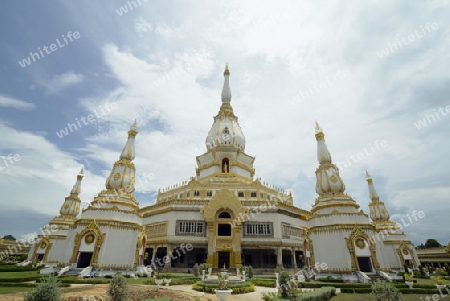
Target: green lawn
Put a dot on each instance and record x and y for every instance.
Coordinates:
(11, 290)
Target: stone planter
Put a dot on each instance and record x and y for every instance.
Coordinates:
(410, 284)
(223, 295)
(158, 282)
(167, 281)
(223, 274)
(440, 286)
(203, 274)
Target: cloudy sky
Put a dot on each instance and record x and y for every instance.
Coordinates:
(373, 73)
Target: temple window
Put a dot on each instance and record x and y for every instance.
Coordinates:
(224, 215)
(224, 230)
(252, 229)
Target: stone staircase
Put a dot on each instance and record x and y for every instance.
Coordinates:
(231, 271)
(73, 272)
(374, 277)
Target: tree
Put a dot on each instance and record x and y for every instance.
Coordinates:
(420, 247)
(432, 243)
(9, 237)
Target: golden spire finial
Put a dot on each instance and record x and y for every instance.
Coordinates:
(227, 70)
(368, 175)
(133, 128)
(318, 129)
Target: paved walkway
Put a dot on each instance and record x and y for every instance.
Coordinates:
(256, 295)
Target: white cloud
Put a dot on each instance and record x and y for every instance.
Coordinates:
(275, 51)
(41, 167)
(12, 102)
(142, 26)
(59, 82)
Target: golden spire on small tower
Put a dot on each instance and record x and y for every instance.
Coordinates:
(319, 132)
(77, 187)
(373, 193)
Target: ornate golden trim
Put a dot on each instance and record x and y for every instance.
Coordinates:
(44, 241)
(351, 203)
(141, 241)
(401, 252)
(357, 233)
(99, 238)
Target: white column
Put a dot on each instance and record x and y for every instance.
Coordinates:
(279, 256)
(294, 259)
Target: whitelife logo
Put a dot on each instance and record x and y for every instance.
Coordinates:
(411, 38)
(86, 120)
(430, 118)
(52, 48)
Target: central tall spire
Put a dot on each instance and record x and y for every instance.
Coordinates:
(225, 142)
(226, 91)
(226, 131)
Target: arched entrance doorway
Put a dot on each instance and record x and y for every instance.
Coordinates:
(224, 216)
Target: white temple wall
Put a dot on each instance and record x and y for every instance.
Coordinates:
(331, 248)
(57, 251)
(112, 215)
(210, 171)
(119, 246)
(387, 256)
(240, 171)
(350, 218)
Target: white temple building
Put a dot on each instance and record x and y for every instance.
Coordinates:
(223, 216)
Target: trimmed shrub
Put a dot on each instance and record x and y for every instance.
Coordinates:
(264, 282)
(118, 288)
(184, 280)
(422, 271)
(447, 269)
(331, 279)
(385, 291)
(250, 272)
(238, 288)
(196, 270)
(47, 290)
(325, 293)
(13, 268)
